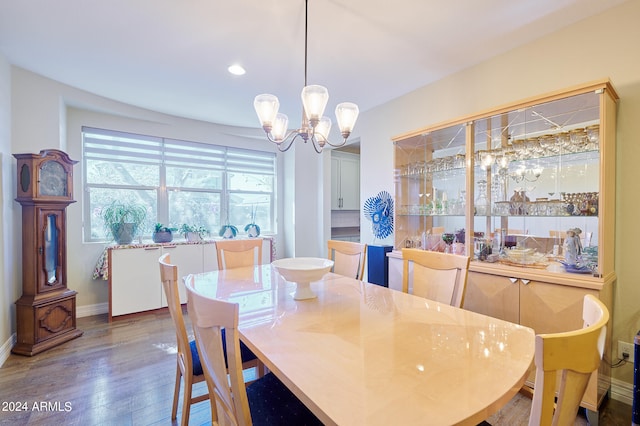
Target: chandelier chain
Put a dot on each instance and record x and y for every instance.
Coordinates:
(315, 127)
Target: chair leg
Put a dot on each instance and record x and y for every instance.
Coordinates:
(176, 393)
(186, 399)
(260, 369)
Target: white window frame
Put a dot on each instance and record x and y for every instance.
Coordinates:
(127, 147)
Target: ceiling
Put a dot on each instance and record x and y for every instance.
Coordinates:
(172, 56)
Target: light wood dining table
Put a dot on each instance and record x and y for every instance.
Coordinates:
(362, 354)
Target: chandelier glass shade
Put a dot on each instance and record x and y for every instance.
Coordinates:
(315, 126)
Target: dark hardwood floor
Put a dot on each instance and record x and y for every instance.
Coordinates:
(123, 374)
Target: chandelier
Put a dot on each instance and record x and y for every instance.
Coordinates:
(315, 127)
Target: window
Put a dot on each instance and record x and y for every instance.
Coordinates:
(179, 182)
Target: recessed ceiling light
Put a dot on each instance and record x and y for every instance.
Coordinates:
(236, 69)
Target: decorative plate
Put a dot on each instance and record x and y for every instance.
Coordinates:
(379, 210)
(577, 269)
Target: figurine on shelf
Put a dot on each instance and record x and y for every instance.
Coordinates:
(572, 246)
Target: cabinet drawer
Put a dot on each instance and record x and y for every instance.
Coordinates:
(55, 318)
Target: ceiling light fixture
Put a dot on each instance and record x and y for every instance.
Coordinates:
(315, 127)
(236, 69)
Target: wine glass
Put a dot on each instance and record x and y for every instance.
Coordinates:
(448, 239)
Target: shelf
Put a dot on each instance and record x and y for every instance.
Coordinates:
(556, 148)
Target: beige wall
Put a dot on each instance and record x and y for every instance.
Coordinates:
(599, 47)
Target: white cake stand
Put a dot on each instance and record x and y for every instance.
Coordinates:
(303, 271)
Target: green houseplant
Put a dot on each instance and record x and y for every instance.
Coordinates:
(162, 234)
(123, 220)
(193, 232)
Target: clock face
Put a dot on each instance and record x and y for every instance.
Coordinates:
(53, 179)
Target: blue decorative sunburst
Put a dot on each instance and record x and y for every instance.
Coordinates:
(379, 210)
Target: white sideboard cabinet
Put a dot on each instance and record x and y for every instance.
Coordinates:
(134, 275)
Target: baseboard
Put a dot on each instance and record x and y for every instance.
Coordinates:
(5, 350)
(90, 310)
(81, 311)
(622, 391)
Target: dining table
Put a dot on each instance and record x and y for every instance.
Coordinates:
(363, 354)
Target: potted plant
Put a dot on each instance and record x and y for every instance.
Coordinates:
(252, 229)
(228, 231)
(162, 234)
(123, 220)
(193, 232)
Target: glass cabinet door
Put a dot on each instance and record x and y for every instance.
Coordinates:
(536, 176)
(430, 181)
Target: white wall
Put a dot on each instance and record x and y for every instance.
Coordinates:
(47, 114)
(9, 286)
(599, 47)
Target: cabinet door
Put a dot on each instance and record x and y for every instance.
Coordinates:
(350, 183)
(551, 308)
(335, 183)
(188, 259)
(135, 280)
(209, 257)
(395, 271)
(494, 296)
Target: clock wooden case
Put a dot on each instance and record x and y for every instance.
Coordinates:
(46, 311)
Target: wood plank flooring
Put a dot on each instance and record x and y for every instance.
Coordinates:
(123, 374)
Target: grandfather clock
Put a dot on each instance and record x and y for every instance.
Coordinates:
(46, 311)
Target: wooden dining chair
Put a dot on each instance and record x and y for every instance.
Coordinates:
(189, 369)
(558, 234)
(436, 230)
(517, 232)
(266, 401)
(435, 276)
(349, 258)
(238, 253)
(574, 356)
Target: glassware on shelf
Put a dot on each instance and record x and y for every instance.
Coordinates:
(448, 239)
(501, 208)
(593, 137)
(578, 139)
(434, 242)
(519, 202)
(581, 203)
(482, 202)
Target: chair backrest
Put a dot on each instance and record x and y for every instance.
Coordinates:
(349, 258)
(437, 230)
(169, 278)
(209, 317)
(517, 231)
(573, 354)
(238, 253)
(435, 276)
(558, 234)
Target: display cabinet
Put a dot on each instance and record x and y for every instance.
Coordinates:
(527, 191)
(528, 185)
